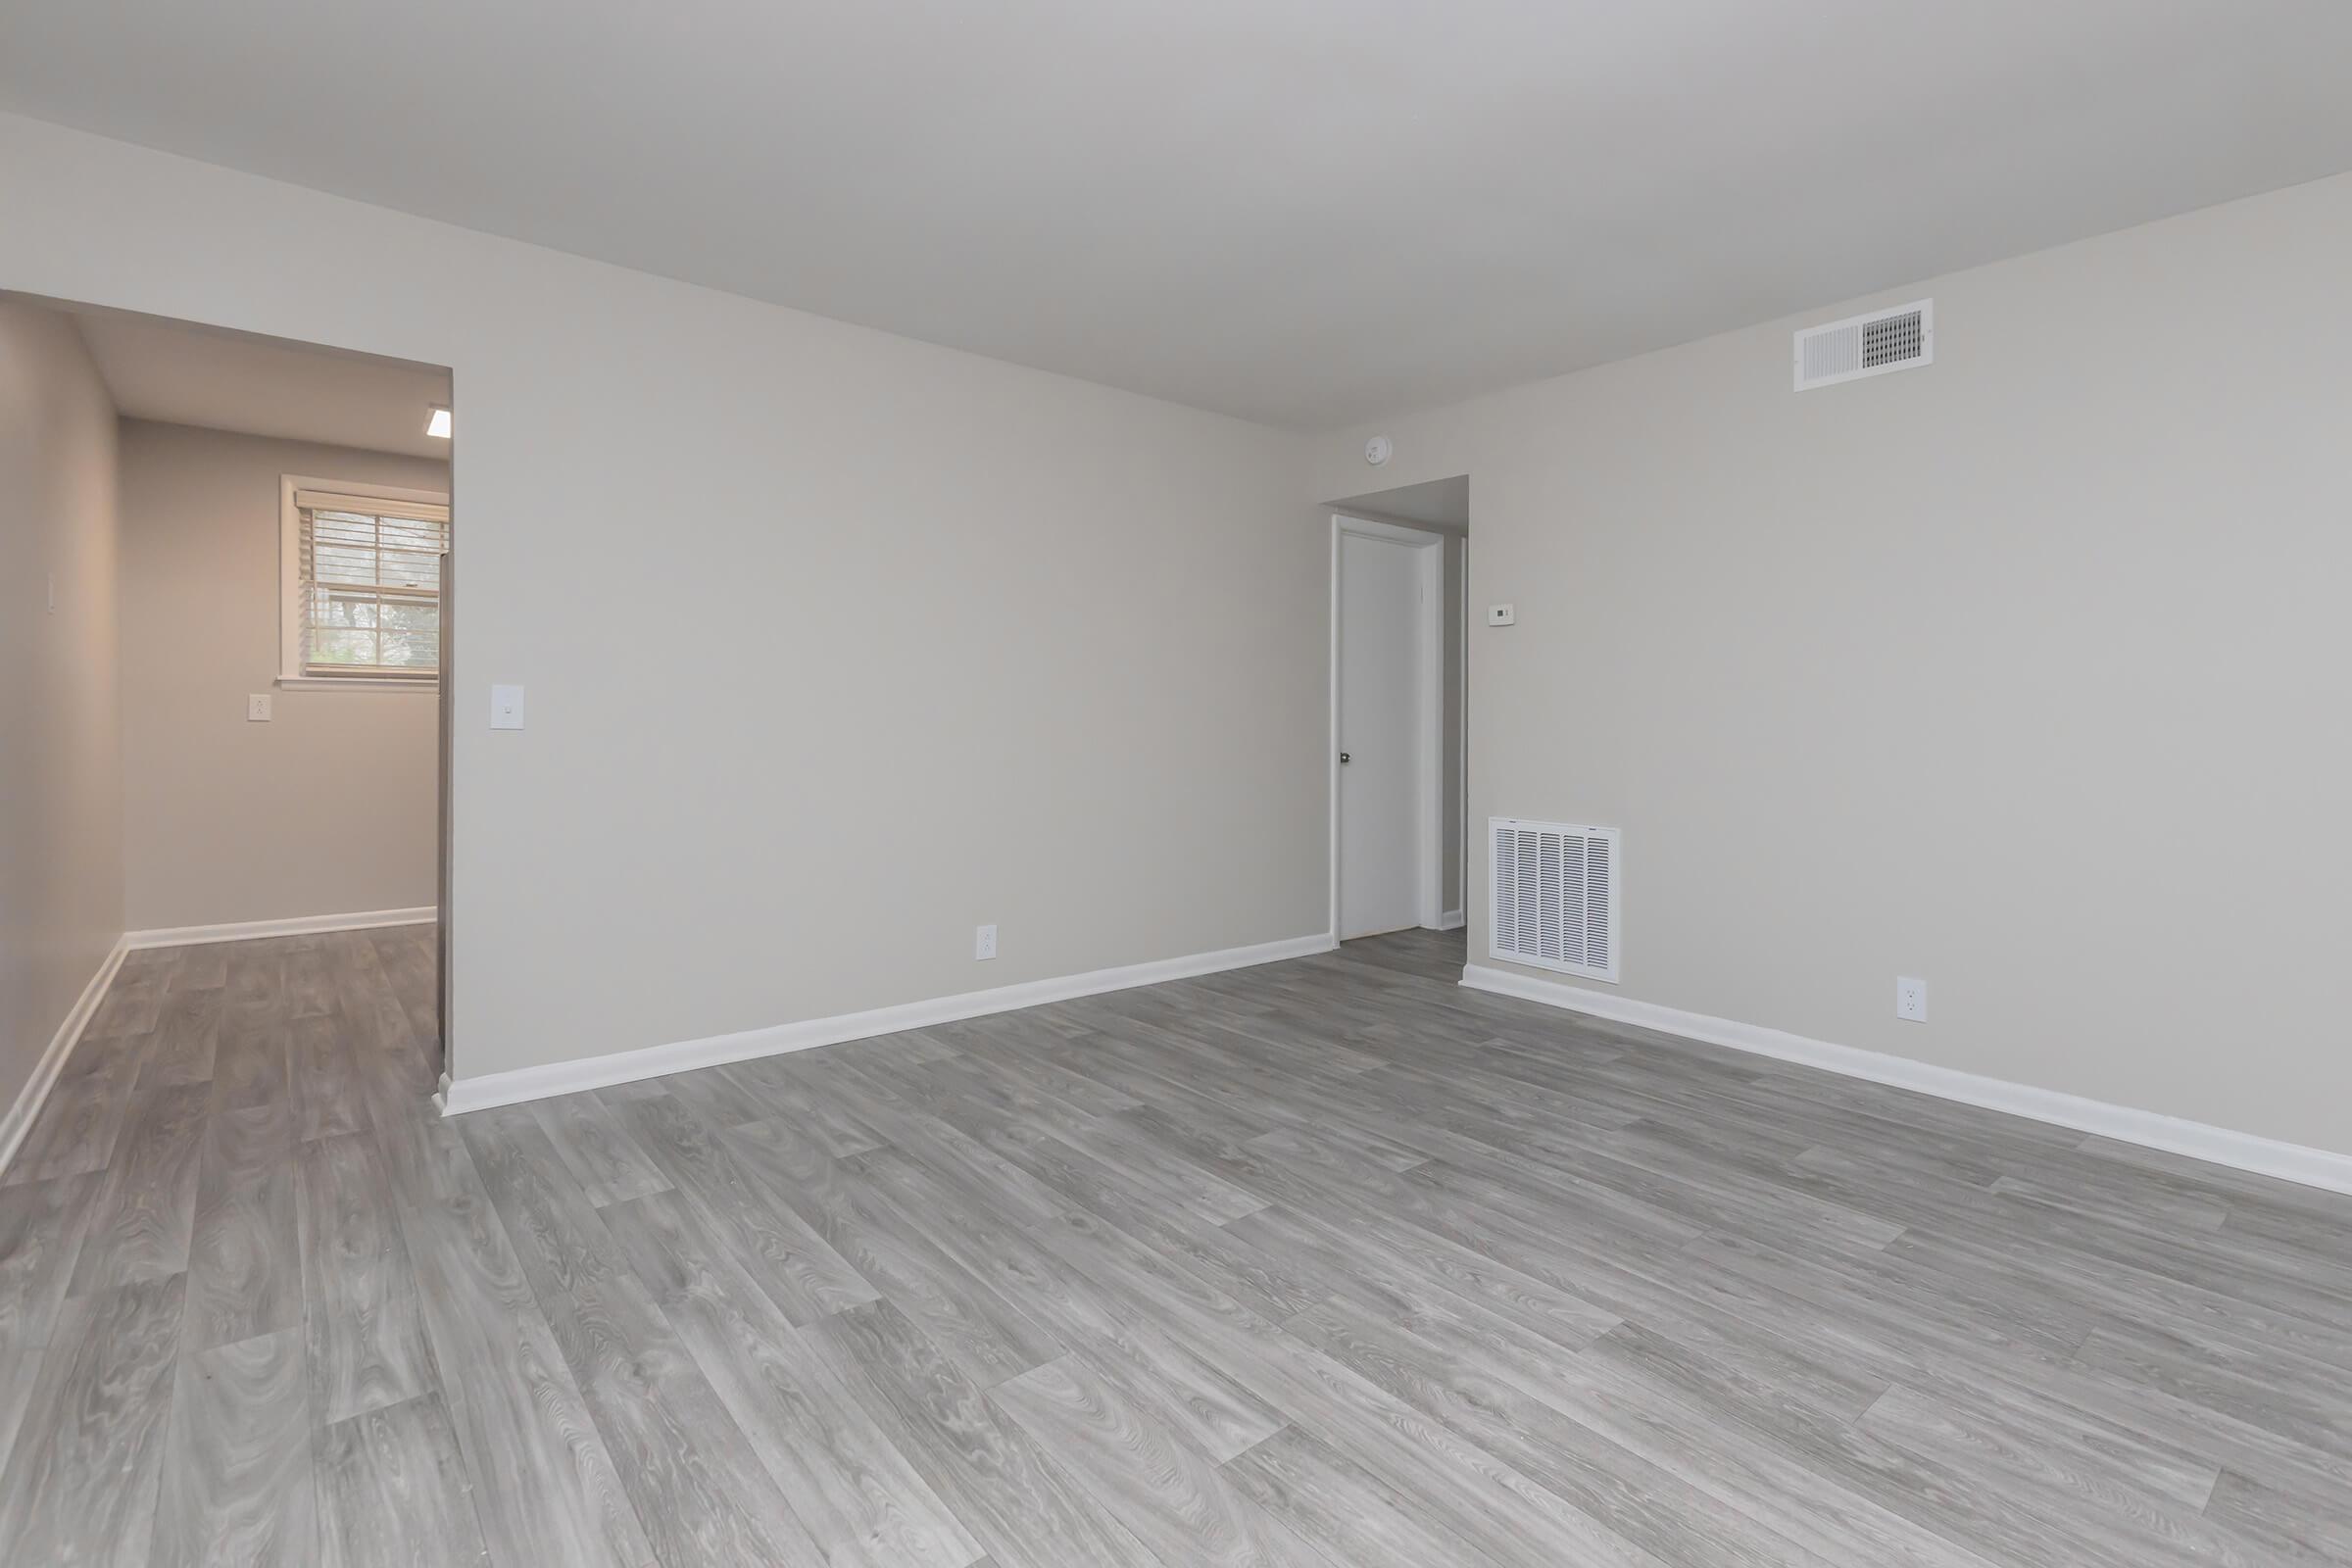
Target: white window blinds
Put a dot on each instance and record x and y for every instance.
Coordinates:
(371, 588)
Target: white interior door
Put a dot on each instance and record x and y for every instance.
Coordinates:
(1380, 735)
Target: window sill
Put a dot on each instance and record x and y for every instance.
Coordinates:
(367, 683)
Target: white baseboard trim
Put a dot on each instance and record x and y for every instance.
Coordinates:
(2217, 1146)
(35, 1093)
(301, 925)
(654, 1062)
(1450, 920)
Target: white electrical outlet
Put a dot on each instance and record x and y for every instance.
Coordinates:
(256, 707)
(984, 943)
(1911, 999)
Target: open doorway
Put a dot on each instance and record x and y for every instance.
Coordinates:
(279, 520)
(1398, 710)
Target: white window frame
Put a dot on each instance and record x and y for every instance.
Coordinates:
(289, 583)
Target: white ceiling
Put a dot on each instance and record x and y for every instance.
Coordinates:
(1299, 211)
(186, 374)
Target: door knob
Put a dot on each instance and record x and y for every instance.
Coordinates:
(1342, 756)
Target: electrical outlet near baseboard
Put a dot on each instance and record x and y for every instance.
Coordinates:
(984, 943)
(1911, 999)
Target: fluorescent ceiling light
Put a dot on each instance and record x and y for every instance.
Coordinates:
(438, 424)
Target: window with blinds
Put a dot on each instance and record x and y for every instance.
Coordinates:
(368, 585)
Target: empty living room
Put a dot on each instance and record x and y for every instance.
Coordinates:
(1232, 785)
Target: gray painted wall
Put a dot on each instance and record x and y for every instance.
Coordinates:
(60, 811)
(837, 644)
(2024, 672)
(329, 807)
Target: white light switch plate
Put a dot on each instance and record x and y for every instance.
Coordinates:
(1503, 614)
(256, 707)
(506, 707)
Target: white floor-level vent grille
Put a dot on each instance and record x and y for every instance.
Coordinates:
(1555, 896)
(1866, 345)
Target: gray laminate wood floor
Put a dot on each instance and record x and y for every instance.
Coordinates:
(1326, 1264)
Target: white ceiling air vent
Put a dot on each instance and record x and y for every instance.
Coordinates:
(1555, 896)
(1866, 345)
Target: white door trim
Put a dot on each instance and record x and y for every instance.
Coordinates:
(1428, 804)
(1457, 917)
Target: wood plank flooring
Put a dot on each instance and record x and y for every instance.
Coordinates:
(1326, 1264)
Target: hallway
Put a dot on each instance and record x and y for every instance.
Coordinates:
(204, 1292)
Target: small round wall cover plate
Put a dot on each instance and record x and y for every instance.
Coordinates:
(1377, 450)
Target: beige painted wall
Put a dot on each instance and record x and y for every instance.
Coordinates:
(836, 643)
(2026, 672)
(329, 807)
(61, 816)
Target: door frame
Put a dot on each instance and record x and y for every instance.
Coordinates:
(1458, 917)
(445, 852)
(1428, 796)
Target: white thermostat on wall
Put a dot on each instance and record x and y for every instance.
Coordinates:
(1500, 614)
(1377, 450)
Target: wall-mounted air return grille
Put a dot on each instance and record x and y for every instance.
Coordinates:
(1555, 896)
(1866, 345)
